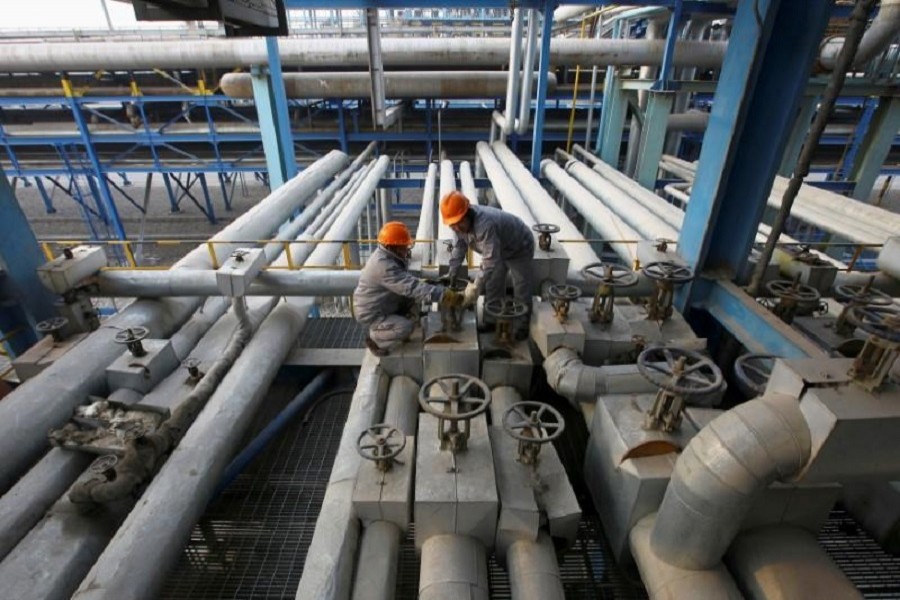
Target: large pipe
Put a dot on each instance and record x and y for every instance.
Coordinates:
(506, 192)
(422, 252)
(318, 53)
(398, 84)
(69, 380)
(531, 52)
(467, 182)
(402, 408)
(878, 36)
(508, 123)
(786, 561)
(376, 571)
(453, 566)
(568, 376)
(721, 473)
(533, 570)
(445, 235)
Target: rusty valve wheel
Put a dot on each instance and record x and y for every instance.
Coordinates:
(880, 321)
(505, 308)
(668, 272)
(563, 293)
(381, 443)
(791, 290)
(460, 400)
(545, 230)
(610, 275)
(752, 372)
(862, 295)
(104, 464)
(679, 371)
(52, 327)
(528, 422)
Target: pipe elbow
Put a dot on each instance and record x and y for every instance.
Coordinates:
(569, 377)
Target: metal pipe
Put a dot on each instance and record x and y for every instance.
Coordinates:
(379, 554)
(328, 570)
(531, 52)
(786, 561)
(569, 377)
(422, 252)
(515, 64)
(445, 234)
(318, 53)
(721, 473)
(876, 39)
(533, 570)
(453, 566)
(467, 182)
(505, 191)
(402, 409)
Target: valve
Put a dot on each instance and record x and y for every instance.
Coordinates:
(679, 374)
(791, 294)
(382, 444)
(857, 295)
(239, 254)
(451, 317)
(53, 327)
(460, 398)
(131, 338)
(873, 364)
(193, 368)
(752, 372)
(545, 230)
(667, 275)
(608, 277)
(532, 424)
(505, 311)
(561, 295)
(104, 466)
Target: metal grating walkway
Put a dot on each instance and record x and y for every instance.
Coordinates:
(332, 332)
(874, 572)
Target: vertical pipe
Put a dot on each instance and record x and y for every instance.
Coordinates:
(515, 64)
(543, 69)
(531, 49)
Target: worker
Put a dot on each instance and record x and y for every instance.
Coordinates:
(505, 243)
(387, 298)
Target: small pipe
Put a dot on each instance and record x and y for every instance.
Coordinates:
(531, 51)
(515, 65)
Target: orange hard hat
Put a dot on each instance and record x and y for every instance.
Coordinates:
(454, 207)
(394, 233)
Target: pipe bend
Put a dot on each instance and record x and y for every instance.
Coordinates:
(721, 472)
(569, 377)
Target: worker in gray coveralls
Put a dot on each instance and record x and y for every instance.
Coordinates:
(505, 243)
(387, 298)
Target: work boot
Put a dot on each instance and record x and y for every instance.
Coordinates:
(374, 349)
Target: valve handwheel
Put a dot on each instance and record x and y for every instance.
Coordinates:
(464, 397)
(668, 272)
(505, 308)
(533, 422)
(753, 371)
(103, 464)
(381, 443)
(564, 293)
(610, 275)
(679, 371)
(880, 321)
(793, 290)
(131, 335)
(545, 228)
(51, 325)
(862, 295)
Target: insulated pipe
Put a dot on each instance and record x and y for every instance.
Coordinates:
(328, 569)
(318, 53)
(445, 234)
(786, 561)
(878, 36)
(402, 408)
(692, 121)
(65, 384)
(889, 257)
(533, 570)
(577, 382)
(467, 182)
(669, 582)
(722, 472)
(505, 191)
(398, 84)
(531, 52)
(422, 252)
(515, 64)
(379, 554)
(453, 567)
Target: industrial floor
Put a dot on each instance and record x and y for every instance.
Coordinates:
(252, 541)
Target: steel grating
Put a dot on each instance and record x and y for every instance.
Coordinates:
(332, 332)
(874, 572)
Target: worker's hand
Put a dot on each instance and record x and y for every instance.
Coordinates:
(451, 299)
(470, 296)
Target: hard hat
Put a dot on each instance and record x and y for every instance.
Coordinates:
(394, 233)
(454, 207)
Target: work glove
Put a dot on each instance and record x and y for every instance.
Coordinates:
(470, 296)
(450, 299)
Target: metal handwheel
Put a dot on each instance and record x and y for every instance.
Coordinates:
(610, 275)
(131, 338)
(792, 290)
(532, 424)
(464, 397)
(752, 372)
(862, 295)
(880, 321)
(545, 230)
(668, 272)
(381, 443)
(560, 296)
(679, 370)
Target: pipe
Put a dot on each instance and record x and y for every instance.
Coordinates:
(876, 39)
(398, 84)
(453, 566)
(295, 407)
(691, 120)
(422, 252)
(402, 408)
(785, 561)
(328, 569)
(379, 554)
(569, 377)
(505, 191)
(533, 570)
(531, 51)
(515, 64)
(445, 234)
(721, 473)
(467, 182)
(565, 13)
(666, 581)
(889, 257)
(65, 384)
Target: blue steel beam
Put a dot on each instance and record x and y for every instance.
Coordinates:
(690, 6)
(543, 71)
(875, 147)
(856, 140)
(653, 137)
(807, 111)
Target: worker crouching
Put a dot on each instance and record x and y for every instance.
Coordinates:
(388, 296)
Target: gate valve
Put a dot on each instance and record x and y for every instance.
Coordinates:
(752, 372)
(667, 275)
(239, 254)
(193, 368)
(679, 374)
(873, 364)
(791, 294)
(457, 399)
(451, 316)
(532, 424)
(382, 444)
(131, 338)
(857, 295)
(53, 327)
(545, 230)
(608, 277)
(560, 297)
(505, 310)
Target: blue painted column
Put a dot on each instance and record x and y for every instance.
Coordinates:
(24, 301)
(653, 137)
(875, 147)
(807, 111)
(537, 142)
(612, 119)
(274, 119)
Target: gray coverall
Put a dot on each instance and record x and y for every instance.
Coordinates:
(386, 293)
(506, 244)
